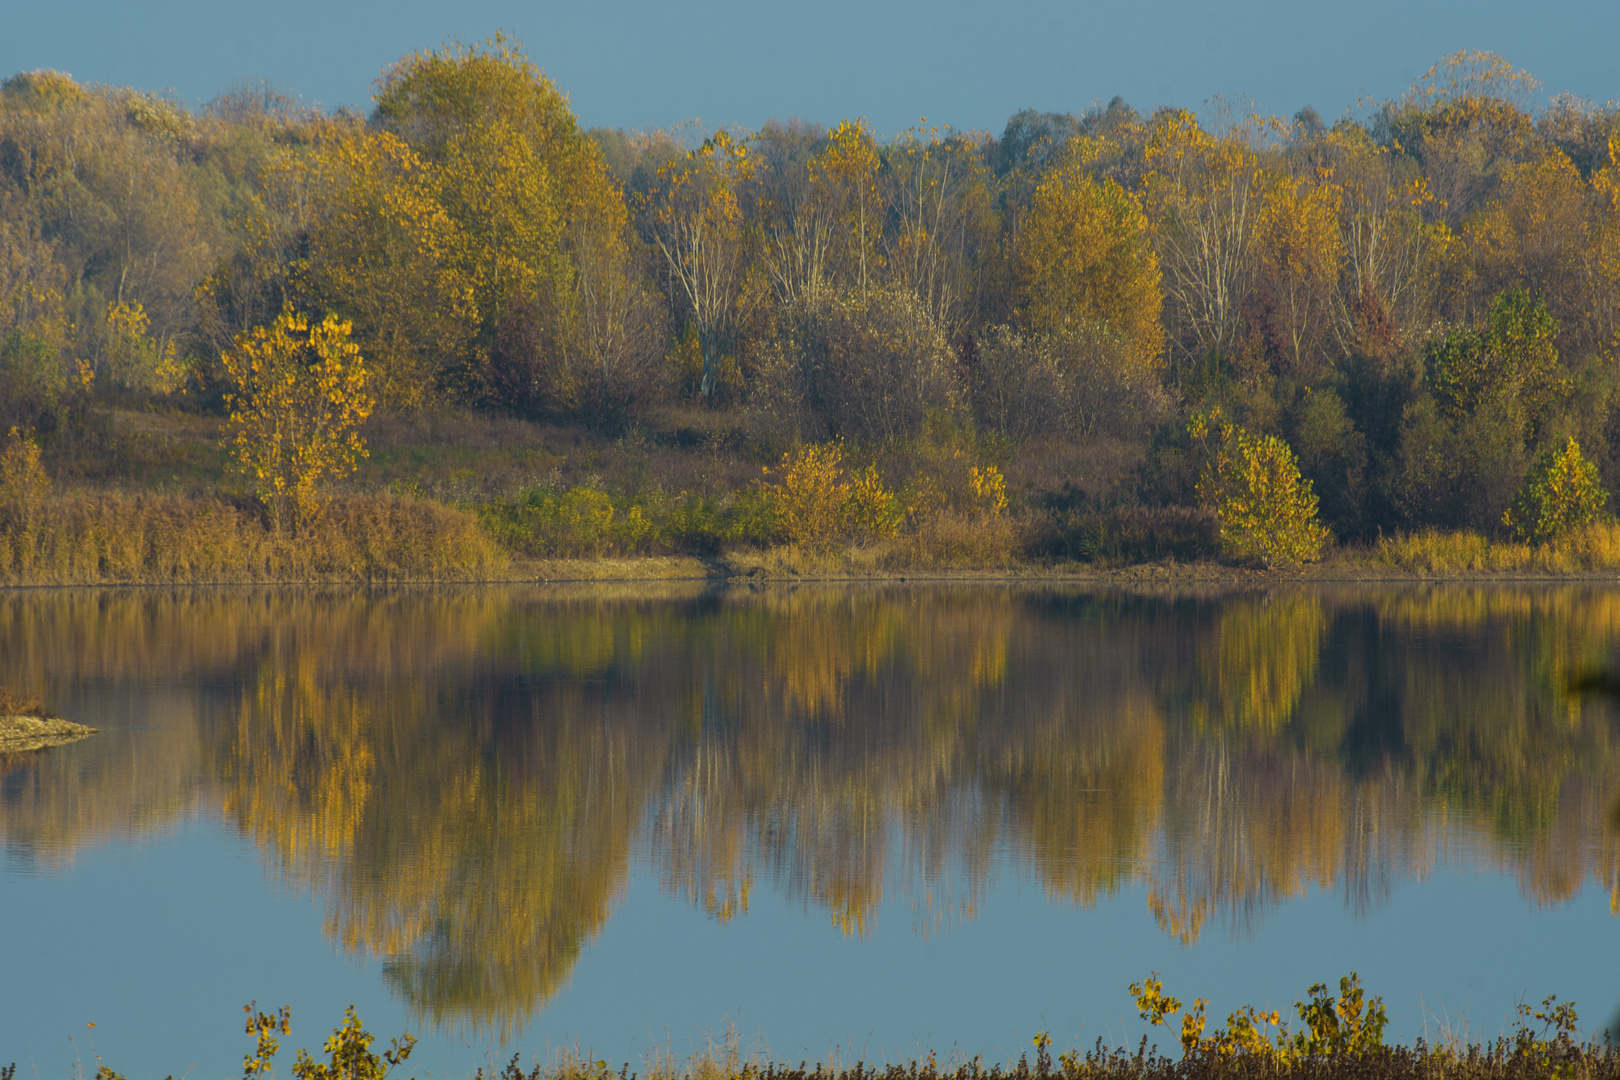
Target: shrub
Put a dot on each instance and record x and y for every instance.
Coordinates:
(867, 367)
(348, 1049)
(1020, 390)
(1267, 511)
(577, 522)
(815, 506)
(810, 498)
(1561, 493)
(1081, 379)
(871, 511)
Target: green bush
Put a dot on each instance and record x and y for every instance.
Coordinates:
(577, 522)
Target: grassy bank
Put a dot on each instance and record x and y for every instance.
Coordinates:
(110, 538)
(458, 497)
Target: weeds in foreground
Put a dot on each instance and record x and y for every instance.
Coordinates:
(1341, 1038)
(348, 1049)
(1348, 1024)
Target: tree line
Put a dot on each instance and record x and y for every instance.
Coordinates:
(1417, 300)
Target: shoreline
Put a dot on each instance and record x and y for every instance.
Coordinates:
(751, 571)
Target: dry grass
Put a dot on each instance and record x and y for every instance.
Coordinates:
(725, 1056)
(1594, 549)
(13, 703)
(954, 540)
(173, 539)
(643, 568)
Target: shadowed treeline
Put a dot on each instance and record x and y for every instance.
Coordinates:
(463, 777)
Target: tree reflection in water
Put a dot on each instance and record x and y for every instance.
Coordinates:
(463, 777)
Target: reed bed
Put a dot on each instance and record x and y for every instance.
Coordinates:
(147, 539)
(1590, 550)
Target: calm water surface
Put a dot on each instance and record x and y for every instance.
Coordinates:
(836, 822)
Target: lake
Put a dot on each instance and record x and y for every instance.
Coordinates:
(824, 822)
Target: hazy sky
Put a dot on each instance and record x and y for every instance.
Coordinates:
(649, 64)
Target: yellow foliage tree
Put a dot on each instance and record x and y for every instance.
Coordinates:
(1387, 248)
(32, 286)
(384, 253)
(298, 397)
(1203, 195)
(1533, 236)
(1299, 257)
(699, 226)
(1082, 256)
(821, 227)
(845, 176)
(1561, 493)
(540, 224)
(1603, 249)
(131, 357)
(1267, 511)
(941, 213)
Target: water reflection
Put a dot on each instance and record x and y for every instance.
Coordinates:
(463, 778)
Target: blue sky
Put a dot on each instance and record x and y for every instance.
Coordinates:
(645, 64)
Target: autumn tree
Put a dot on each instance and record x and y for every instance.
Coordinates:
(1462, 120)
(941, 222)
(1203, 195)
(383, 253)
(1267, 511)
(1511, 361)
(1298, 243)
(1082, 256)
(1601, 255)
(35, 368)
(1388, 249)
(1560, 493)
(1532, 236)
(537, 215)
(129, 356)
(823, 217)
(298, 395)
(696, 220)
(103, 175)
(612, 327)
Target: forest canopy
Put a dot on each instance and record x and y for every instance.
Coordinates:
(1420, 300)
